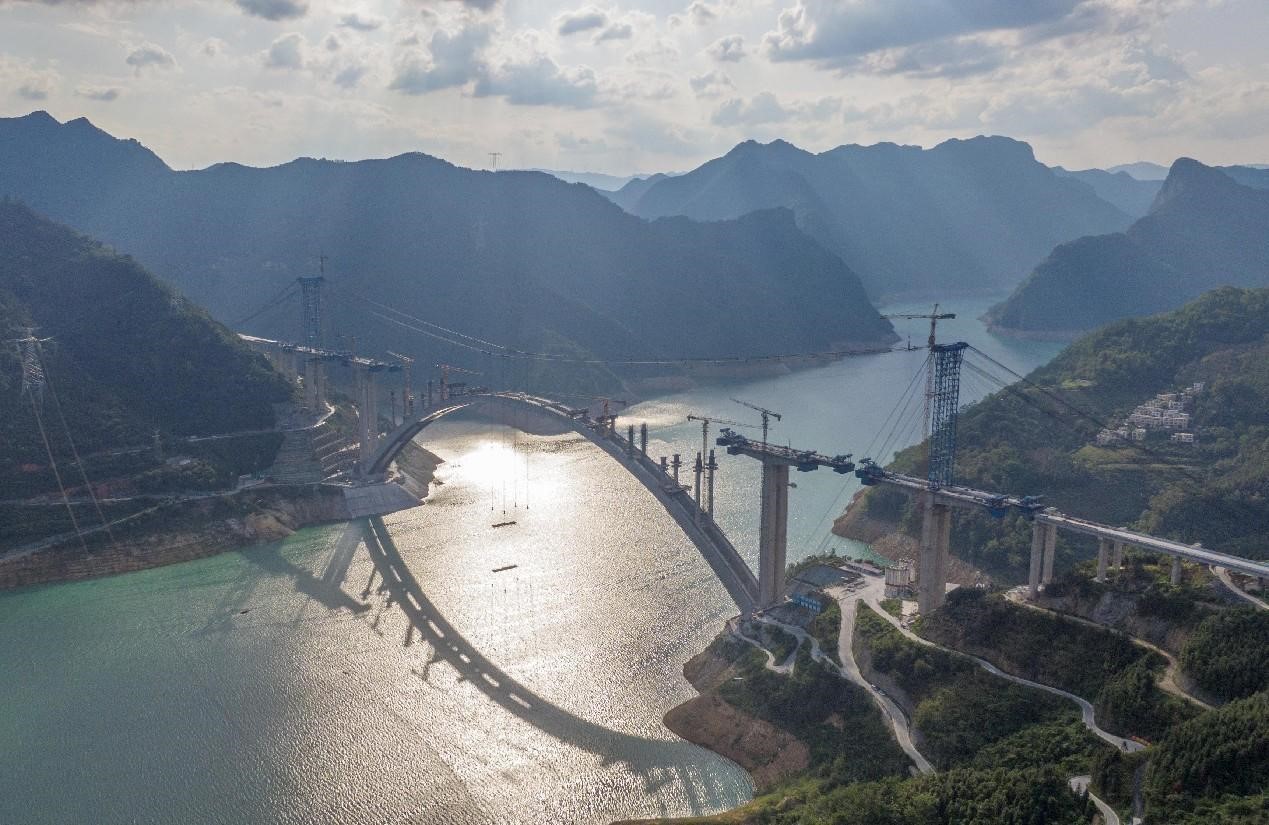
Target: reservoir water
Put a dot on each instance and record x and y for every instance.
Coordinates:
(383, 672)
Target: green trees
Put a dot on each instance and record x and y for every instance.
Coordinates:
(1223, 753)
(1228, 655)
(127, 356)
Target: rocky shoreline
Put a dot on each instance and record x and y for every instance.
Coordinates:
(200, 527)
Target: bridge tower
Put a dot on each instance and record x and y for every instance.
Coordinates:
(368, 414)
(936, 526)
(311, 329)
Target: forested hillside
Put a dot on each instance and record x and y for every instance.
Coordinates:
(1024, 441)
(1204, 230)
(124, 356)
(966, 216)
(520, 259)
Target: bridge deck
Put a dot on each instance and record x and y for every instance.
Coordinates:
(981, 499)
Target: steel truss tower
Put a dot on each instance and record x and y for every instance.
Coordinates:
(944, 412)
(311, 297)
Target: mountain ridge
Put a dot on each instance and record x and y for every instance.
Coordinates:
(969, 215)
(1204, 229)
(519, 258)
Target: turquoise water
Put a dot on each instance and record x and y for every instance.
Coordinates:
(367, 674)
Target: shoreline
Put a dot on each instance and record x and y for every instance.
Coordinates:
(205, 526)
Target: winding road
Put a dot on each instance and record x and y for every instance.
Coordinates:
(1228, 580)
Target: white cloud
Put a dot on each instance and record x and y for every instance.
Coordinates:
(274, 9)
(711, 84)
(360, 22)
(453, 59)
(101, 94)
(581, 20)
(148, 55)
(729, 49)
(540, 82)
(765, 107)
(832, 33)
(287, 52)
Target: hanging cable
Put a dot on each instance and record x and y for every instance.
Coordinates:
(79, 462)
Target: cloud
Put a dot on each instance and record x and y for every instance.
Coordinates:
(729, 49)
(359, 22)
(956, 58)
(349, 76)
(453, 60)
(833, 34)
(287, 52)
(274, 9)
(213, 47)
(101, 94)
(765, 107)
(539, 81)
(617, 31)
(149, 55)
(33, 91)
(702, 14)
(581, 20)
(711, 84)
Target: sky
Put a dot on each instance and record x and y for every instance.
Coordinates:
(637, 86)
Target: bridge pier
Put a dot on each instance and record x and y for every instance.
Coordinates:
(773, 531)
(1050, 551)
(932, 563)
(709, 493)
(1103, 554)
(314, 398)
(699, 468)
(1176, 571)
(368, 418)
(1119, 558)
(1043, 547)
(643, 438)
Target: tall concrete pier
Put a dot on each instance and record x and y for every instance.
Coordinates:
(773, 533)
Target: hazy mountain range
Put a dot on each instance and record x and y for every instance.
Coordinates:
(1203, 230)
(965, 216)
(518, 258)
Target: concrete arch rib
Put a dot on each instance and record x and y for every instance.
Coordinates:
(717, 550)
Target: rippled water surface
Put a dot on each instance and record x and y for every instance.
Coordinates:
(382, 672)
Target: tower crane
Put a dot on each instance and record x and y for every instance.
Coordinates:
(706, 421)
(767, 415)
(934, 317)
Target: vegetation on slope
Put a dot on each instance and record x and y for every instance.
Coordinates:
(837, 721)
(126, 357)
(1103, 667)
(1023, 441)
(1228, 655)
(960, 709)
(1211, 766)
(1204, 230)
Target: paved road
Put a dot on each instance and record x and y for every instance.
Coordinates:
(1080, 784)
(1167, 682)
(1227, 580)
(1086, 708)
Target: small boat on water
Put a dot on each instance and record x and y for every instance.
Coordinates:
(506, 567)
(504, 524)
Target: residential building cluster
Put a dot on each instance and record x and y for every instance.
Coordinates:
(1167, 411)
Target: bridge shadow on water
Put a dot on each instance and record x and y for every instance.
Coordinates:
(659, 763)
